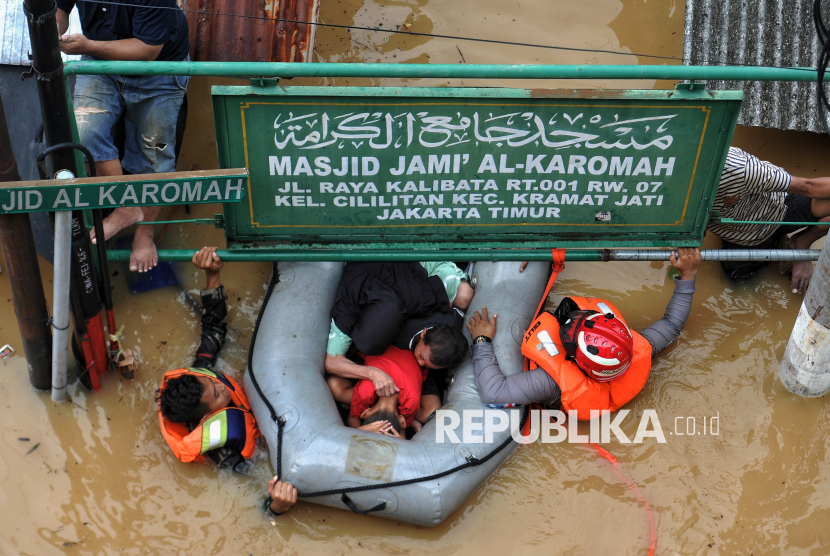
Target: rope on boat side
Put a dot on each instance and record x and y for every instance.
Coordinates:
(471, 462)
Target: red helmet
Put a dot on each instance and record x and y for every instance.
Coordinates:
(601, 344)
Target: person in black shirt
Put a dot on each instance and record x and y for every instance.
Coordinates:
(138, 30)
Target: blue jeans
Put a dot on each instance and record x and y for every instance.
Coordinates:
(150, 105)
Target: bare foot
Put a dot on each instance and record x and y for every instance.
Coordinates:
(121, 218)
(802, 273)
(144, 256)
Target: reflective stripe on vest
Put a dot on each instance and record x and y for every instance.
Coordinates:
(542, 346)
(214, 431)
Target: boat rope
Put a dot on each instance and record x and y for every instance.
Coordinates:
(615, 467)
(471, 460)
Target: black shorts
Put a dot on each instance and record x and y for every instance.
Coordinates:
(798, 209)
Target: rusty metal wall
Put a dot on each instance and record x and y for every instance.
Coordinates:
(761, 32)
(242, 35)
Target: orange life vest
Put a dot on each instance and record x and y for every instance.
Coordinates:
(578, 391)
(234, 427)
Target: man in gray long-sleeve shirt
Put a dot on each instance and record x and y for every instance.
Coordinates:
(537, 386)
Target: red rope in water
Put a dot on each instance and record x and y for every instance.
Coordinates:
(558, 256)
(615, 467)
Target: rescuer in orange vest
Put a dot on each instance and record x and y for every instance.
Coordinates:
(583, 355)
(202, 412)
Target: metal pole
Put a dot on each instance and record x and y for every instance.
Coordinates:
(269, 255)
(18, 246)
(718, 255)
(60, 311)
(448, 71)
(805, 367)
(47, 67)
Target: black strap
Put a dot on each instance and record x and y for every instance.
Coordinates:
(348, 501)
(266, 507)
(50, 322)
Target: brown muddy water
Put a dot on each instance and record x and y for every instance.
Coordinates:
(103, 482)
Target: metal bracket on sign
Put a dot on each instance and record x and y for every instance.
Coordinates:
(265, 81)
(690, 85)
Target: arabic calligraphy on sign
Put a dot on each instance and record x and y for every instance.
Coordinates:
(380, 130)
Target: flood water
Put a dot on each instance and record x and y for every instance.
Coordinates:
(102, 481)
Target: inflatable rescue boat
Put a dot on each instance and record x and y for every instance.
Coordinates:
(342, 467)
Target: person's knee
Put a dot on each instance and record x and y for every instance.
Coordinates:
(152, 144)
(370, 346)
(463, 296)
(339, 387)
(334, 384)
(94, 124)
(379, 323)
(97, 109)
(430, 403)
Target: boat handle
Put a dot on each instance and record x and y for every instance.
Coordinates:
(348, 501)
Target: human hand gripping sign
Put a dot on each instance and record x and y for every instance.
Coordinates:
(687, 260)
(206, 259)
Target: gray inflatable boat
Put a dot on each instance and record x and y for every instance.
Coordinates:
(322, 457)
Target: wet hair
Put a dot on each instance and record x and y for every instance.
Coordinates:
(384, 415)
(447, 346)
(181, 400)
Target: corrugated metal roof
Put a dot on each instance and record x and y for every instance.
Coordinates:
(761, 32)
(243, 37)
(14, 33)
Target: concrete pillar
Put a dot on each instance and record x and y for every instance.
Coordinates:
(805, 368)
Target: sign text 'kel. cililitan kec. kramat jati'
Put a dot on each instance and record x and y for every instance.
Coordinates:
(635, 168)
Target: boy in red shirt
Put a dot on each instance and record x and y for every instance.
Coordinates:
(383, 414)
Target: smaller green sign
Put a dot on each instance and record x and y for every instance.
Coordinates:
(175, 188)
